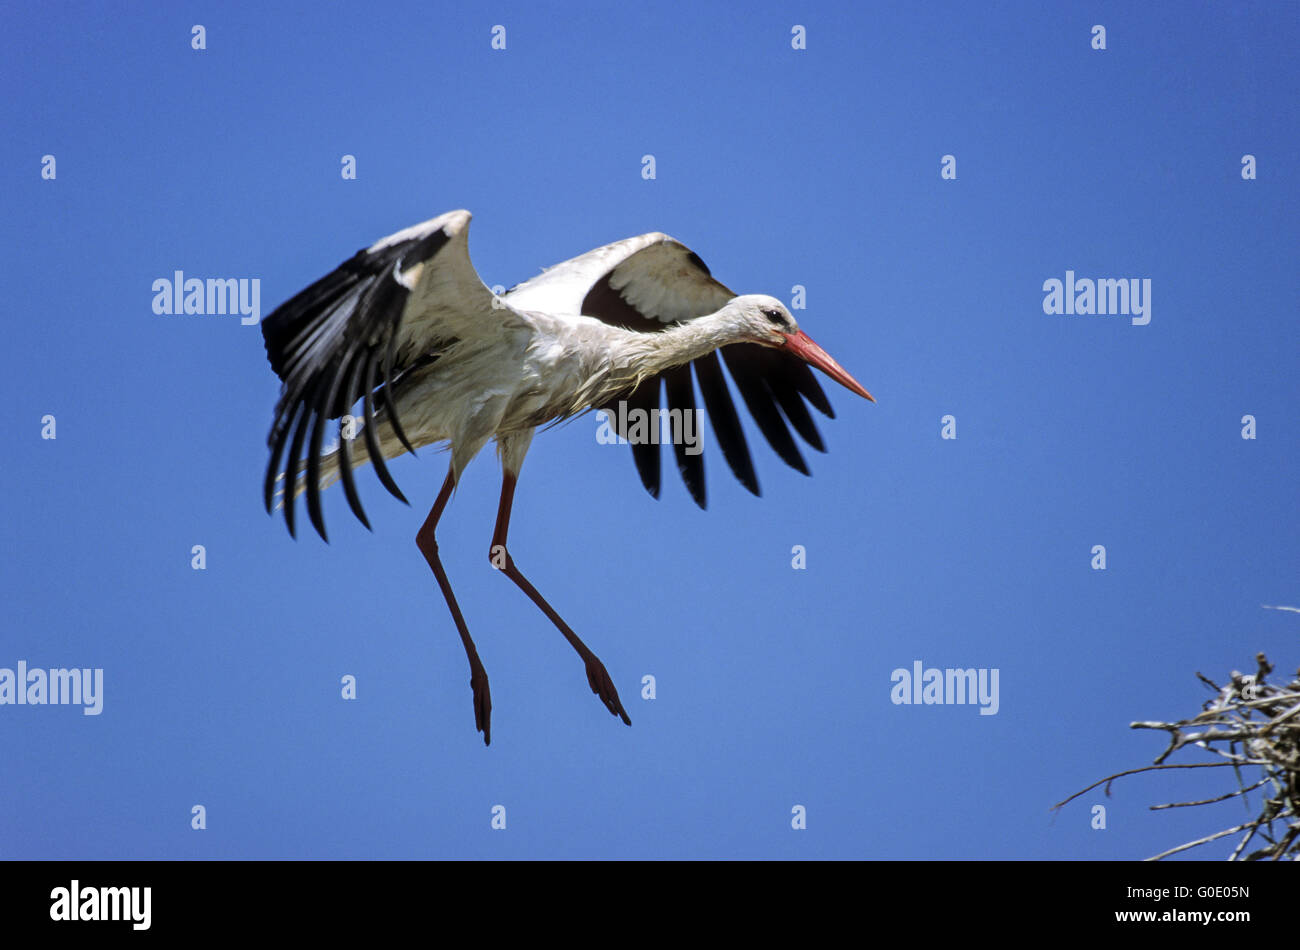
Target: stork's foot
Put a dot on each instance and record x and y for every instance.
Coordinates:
(603, 686)
(482, 703)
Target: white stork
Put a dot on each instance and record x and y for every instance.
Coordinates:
(407, 328)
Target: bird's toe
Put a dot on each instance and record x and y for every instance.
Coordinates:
(482, 705)
(601, 684)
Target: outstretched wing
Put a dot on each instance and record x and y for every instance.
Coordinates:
(352, 334)
(649, 282)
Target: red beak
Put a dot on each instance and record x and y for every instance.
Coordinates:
(802, 346)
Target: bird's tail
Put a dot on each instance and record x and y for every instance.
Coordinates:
(331, 462)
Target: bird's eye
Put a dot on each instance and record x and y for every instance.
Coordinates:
(775, 317)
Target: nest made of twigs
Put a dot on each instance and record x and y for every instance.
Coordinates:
(1253, 726)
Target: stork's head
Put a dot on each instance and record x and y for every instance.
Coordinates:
(769, 323)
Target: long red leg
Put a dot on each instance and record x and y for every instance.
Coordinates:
(499, 555)
(428, 545)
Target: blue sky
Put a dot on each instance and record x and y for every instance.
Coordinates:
(819, 167)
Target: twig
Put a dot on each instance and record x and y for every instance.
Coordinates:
(1211, 801)
(1206, 840)
(1147, 768)
(1244, 841)
(1285, 843)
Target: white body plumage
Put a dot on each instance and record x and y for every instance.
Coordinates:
(407, 328)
